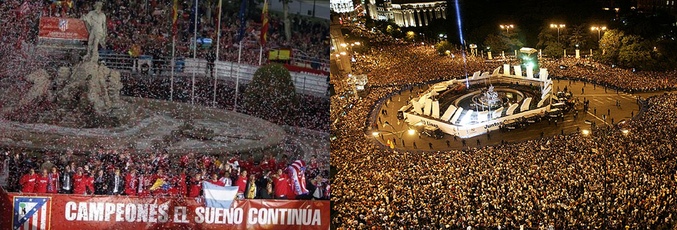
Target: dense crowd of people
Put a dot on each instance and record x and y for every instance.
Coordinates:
(148, 28)
(124, 172)
(614, 178)
(612, 77)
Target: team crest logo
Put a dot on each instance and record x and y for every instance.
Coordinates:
(31, 213)
(63, 25)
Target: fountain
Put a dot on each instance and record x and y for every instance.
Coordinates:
(81, 108)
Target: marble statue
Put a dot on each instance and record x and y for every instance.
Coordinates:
(95, 21)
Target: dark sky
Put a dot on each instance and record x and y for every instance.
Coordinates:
(481, 17)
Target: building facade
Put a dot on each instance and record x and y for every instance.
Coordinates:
(407, 13)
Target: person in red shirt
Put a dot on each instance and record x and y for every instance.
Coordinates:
(144, 184)
(89, 183)
(28, 181)
(215, 180)
(195, 186)
(181, 184)
(130, 183)
(282, 185)
(53, 183)
(282, 164)
(41, 182)
(242, 182)
(79, 182)
(272, 165)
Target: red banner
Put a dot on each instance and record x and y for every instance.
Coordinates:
(70, 212)
(63, 28)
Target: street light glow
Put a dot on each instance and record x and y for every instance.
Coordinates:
(625, 131)
(344, 45)
(411, 131)
(374, 134)
(585, 132)
(343, 53)
(357, 43)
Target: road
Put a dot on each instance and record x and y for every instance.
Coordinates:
(602, 109)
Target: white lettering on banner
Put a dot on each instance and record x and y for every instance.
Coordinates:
(295, 216)
(152, 216)
(180, 214)
(199, 215)
(159, 213)
(142, 213)
(119, 210)
(82, 211)
(96, 211)
(162, 210)
(110, 209)
(70, 207)
(130, 213)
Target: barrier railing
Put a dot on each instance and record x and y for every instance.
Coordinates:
(305, 83)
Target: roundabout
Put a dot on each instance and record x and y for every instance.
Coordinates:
(395, 133)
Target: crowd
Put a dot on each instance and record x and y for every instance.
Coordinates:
(130, 22)
(613, 178)
(312, 112)
(612, 77)
(123, 172)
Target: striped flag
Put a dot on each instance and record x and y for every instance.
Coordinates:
(217, 196)
(264, 20)
(31, 213)
(175, 16)
(298, 176)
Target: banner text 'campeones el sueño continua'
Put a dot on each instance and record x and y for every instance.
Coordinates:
(162, 213)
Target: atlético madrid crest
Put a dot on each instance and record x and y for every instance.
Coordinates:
(63, 25)
(31, 212)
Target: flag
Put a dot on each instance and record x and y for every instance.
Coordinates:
(175, 16)
(218, 196)
(23, 9)
(264, 20)
(243, 21)
(160, 183)
(31, 213)
(297, 173)
(194, 11)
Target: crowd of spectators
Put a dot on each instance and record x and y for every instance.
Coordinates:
(125, 172)
(612, 77)
(609, 179)
(150, 27)
(311, 113)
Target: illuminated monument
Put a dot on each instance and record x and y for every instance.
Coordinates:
(407, 13)
(493, 100)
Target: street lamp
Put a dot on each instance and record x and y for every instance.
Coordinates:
(599, 31)
(560, 26)
(507, 27)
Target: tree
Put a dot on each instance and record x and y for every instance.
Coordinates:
(554, 49)
(495, 43)
(271, 93)
(610, 44)
(443, 46)
(577, 37)
(635, 53)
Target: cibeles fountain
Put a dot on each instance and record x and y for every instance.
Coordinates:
(483, 102)
(80, 107)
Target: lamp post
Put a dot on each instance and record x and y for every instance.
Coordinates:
(599, 31)
(507, 27)
(556, 26)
